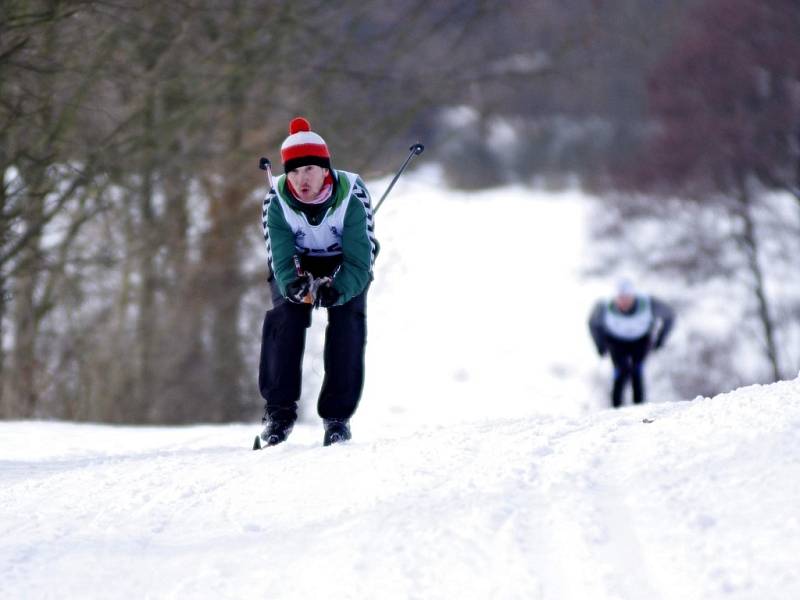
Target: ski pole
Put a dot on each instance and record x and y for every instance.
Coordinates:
(415, 150)
(265, 165)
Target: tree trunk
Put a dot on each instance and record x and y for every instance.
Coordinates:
(3, 409)
(750, 245)
(146, 248)
(227, 232)
(26, 323)
(185, 374)
(223, 294)
(3, 289)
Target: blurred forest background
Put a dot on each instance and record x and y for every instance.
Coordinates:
(130, 133)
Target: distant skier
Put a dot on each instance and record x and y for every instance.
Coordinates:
(628, 326)
(321, 247)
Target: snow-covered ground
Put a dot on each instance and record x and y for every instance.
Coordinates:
(484, 463)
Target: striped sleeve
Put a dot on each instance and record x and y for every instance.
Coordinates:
(264, 212)
(361, 193)
(359, 245)
(279, 239)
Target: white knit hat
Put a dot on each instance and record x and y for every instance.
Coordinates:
(625, 287)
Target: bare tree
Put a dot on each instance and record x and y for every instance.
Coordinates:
(130, 251)
(725, 121)
(130, 132)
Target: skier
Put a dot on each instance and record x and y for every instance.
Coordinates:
(321, 247)
(627, 327)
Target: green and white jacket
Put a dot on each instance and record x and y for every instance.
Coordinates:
(335, 237)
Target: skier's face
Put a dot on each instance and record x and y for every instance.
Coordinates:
(625, 301)
(307, 181)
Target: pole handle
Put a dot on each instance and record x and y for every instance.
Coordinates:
(265, 165)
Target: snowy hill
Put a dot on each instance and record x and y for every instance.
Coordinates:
(700, 503)
(484, 463)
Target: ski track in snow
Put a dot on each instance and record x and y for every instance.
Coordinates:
(700, 503)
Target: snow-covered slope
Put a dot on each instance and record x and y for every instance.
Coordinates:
(691, 500)
(484, 463)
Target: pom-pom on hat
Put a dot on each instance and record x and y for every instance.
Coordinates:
(303, 147)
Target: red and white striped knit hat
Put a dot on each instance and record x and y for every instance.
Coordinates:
(303, 147)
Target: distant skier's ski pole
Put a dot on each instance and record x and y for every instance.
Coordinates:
(415, 150)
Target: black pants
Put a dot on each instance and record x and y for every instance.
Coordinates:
(628, 358)
(283, 343)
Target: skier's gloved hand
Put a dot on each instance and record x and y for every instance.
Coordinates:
(327, 295)
(298, 291)
(601, 350)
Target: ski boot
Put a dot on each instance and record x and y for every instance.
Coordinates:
(274, 433)
(336, 430)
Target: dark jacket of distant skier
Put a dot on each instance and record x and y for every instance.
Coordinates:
(628, 327)
(321, 249)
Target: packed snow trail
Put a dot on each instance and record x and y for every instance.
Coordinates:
(699, 504)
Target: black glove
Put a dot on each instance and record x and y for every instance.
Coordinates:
(601, 350)
(298, 290)
(327, 295)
